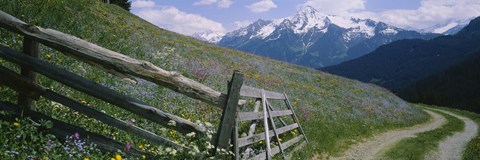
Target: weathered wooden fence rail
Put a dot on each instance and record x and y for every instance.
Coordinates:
(127, 67)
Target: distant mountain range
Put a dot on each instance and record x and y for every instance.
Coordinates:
(402, 63)
(314, 39)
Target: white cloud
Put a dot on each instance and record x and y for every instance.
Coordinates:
(204, 2)
(240, 24)
(262, 6)
(432, 12)
(173, 19)
(220, 3)
(336, 7)
(143, 4)
(224, 3)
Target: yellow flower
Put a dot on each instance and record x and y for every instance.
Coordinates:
(112, 158)
(140, 146)
(16, 124)
(86, 158)
(83, 101)
(144, 157)
(48, 56)
(118, 157)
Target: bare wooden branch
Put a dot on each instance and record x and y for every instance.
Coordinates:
(112, 61)
(252, 92)
(30, 47)
(248, 116)
(261, 136)
(79, 83)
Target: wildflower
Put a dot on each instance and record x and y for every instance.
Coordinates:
(83, 101)
(130, 122)
(191, 134)
(86, 158)
(210, 146)
(171, 123)
(140, 146)
(16, 124)
(128, 146)
(261, 142)
(243, 134)
(144, 157)
(173, 132)
(112, 158)
(48, 56)
(208, 124)
(118, 157)
(77, 135)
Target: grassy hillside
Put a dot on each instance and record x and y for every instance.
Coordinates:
(334, 111)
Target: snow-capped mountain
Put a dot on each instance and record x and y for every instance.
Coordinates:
(209, 36)
(449, 28)
(314, 39)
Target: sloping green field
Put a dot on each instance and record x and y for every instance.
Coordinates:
(334, 111)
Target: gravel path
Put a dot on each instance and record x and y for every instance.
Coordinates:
(369, 149)
(453, 147)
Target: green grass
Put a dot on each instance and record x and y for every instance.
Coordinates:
(473, 148)
(335, 112)
(417, 147)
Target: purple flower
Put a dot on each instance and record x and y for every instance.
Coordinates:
(130, 122)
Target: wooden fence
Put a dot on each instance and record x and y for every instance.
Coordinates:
(126, 67)
(268, 113)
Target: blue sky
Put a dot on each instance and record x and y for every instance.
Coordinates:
(189, 16)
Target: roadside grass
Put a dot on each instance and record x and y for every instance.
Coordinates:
(472, 151)
(335, 112)
(417, 147)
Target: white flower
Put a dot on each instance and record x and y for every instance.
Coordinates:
(243, 134)
(208, 124)
(191, 134)
(168, 149)
(195, 149)
(210, 146)
(172, 123)
(173, 152)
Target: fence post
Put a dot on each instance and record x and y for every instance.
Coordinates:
(30, 47)
(229, 112)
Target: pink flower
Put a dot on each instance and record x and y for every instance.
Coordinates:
(77, 135)
(130, 122)
(128, 146)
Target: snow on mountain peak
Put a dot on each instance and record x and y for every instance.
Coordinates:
(209, 36)
(445, 28)
(309, 18)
